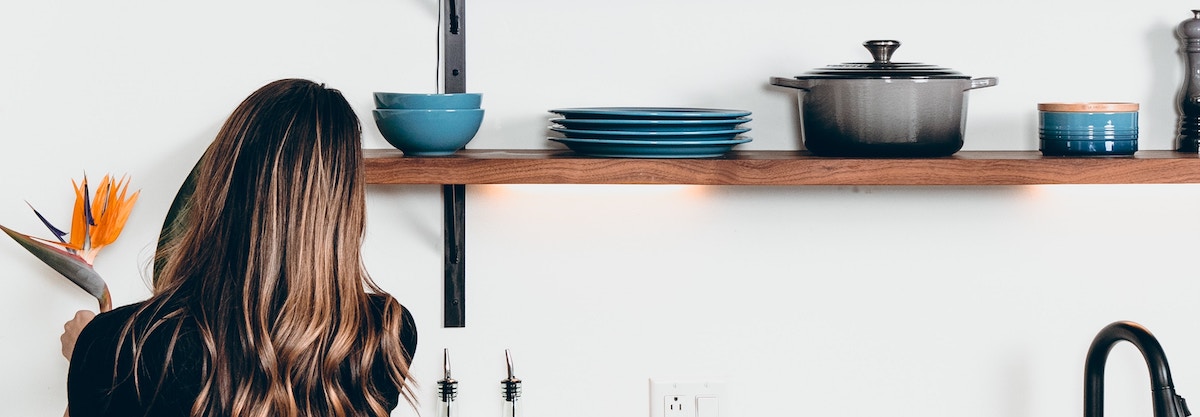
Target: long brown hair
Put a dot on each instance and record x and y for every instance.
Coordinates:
(265, 261)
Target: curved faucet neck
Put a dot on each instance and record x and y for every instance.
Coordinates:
(1166, 402)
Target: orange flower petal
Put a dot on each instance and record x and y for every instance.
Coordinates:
(79, 218)
(116, 213)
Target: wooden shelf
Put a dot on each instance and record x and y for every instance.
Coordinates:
(478, 166)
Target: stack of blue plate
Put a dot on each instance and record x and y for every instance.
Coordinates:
(650, 132)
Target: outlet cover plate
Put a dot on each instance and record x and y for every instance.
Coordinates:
(678, 397)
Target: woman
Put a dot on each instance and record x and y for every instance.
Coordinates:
(262, 306)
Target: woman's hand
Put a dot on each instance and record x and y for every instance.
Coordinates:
(71, 331)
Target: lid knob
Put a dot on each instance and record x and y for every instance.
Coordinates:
(882, 50)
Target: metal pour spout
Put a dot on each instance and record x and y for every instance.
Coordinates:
(512, 389)
(447, 389)
(1166, 402)
(512, 385)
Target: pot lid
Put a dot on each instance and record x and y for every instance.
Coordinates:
(883, 67)
(1091, 107)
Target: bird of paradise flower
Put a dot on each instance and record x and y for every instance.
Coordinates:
(95, 223)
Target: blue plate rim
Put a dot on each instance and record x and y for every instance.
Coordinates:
(654, 122)
(564, 130)
(668, 143)
(662, 112)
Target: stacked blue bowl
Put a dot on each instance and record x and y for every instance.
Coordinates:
(421, 124)
(1088, 129)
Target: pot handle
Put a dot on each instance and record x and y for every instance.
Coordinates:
(791, 83)
(983, 82)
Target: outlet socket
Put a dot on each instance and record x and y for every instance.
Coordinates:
(677, 406)
(687, 398)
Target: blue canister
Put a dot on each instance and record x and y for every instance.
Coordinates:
(1081, 129)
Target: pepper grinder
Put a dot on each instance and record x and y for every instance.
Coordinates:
(447, 390)
(1189, 99)
(512, 389)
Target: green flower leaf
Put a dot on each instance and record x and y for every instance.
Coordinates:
(69, 265)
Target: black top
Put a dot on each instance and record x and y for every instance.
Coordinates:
(90, 389)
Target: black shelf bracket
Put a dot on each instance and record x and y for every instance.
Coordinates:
(453, 306)
(454, 54)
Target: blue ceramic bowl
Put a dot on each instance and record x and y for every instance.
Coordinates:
(1088, 147)
(431, 132)
(418, 101)
(1088, 119)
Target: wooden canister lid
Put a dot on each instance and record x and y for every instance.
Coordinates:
(1092, 107)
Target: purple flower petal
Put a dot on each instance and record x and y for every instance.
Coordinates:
(87, 205)
(58, 233)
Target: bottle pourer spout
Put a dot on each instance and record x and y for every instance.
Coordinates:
(512, 385)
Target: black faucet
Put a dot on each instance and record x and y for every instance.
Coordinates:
(1162, 391)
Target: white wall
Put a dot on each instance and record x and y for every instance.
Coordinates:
(848, 301)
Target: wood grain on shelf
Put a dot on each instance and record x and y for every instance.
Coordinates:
(506, 166)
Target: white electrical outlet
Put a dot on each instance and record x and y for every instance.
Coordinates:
(687, 398)
(677, 406)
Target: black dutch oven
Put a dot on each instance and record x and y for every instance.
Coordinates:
(883, 108)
